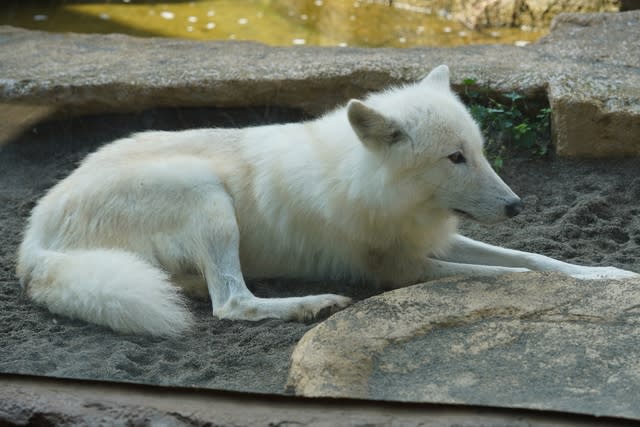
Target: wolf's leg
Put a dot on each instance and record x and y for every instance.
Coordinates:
(220, 264)
(468, 251)
(436, 268)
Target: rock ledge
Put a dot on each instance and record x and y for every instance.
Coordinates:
(588, 68)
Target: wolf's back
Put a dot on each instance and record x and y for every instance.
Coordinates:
(108, 287)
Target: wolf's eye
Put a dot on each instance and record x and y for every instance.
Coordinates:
(457, 158)
(396, 136)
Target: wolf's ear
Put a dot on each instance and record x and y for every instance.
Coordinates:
(374, 130)
(438, 77)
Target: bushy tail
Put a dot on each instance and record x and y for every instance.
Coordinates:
(109, 287)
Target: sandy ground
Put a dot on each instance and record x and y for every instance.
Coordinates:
(584, 212)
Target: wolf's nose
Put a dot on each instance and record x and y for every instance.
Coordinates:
(514, 208)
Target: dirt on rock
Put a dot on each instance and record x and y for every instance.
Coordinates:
(578, 211)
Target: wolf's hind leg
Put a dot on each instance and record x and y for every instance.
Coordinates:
(220, 264)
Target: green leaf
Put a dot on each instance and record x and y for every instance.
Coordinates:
(522, 128)
(527, 140)
(498, 163)
(513, 96)
(479, 113)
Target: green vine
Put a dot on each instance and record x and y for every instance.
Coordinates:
(509, 126)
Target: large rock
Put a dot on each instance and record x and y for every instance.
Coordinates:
(534, 340)
(596, 107)
(587, 68)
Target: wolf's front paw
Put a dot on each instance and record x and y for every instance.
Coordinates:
(324, 306)
(601, 273)
(320, 306)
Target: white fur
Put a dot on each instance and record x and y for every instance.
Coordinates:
(111, 288)
(366, 192)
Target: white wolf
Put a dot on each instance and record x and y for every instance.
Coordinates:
(369, 192)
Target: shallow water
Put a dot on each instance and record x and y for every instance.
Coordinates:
(365, 23)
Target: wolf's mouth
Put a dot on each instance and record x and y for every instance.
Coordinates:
(462, 213)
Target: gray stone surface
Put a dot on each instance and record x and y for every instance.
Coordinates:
(587, 68)
(534, 340)
(105, 73)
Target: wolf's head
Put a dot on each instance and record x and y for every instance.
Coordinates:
(433, 149)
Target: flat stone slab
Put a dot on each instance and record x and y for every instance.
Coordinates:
(587, 68)
(596, 102)
(32, 401)
(533, 340)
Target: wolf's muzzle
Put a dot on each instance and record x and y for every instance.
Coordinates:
(514, 208)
